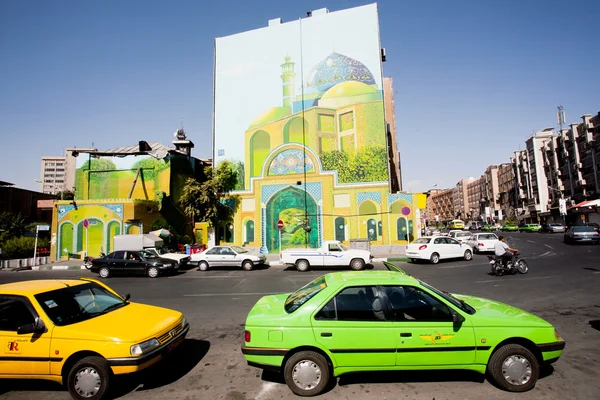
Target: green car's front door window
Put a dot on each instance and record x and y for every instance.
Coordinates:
(409, 303)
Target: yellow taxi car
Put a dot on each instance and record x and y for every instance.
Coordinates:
(81, 333)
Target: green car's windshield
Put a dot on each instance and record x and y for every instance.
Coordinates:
(74, 304)
(448, 297)
(305, 293)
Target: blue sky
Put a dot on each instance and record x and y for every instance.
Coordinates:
(473, 79)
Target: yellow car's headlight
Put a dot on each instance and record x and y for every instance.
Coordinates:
(183, 322)
(143, 347)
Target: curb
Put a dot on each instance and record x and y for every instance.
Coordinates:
(57, 267)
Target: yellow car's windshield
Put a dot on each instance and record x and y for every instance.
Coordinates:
(74, 304)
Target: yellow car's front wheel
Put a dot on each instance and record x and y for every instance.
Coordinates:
(89, 379)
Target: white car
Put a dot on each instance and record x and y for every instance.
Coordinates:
(436, 248)
(461, 236)
(481, 242)
(219, 256)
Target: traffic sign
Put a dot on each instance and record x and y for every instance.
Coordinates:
(280, 224)
(43, 227)
(85, 223)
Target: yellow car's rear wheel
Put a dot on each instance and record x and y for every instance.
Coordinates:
(89, 379)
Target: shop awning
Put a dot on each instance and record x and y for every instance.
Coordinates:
(588, 203)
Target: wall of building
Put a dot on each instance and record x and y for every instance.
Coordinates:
(312, 140)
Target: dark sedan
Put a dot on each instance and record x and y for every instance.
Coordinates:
(582, 234)
(131, 263)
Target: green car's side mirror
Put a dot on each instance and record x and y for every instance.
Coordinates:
(457, 318)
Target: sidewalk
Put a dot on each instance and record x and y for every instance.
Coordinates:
(380, 253)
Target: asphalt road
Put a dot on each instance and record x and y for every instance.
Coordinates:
(562, 286)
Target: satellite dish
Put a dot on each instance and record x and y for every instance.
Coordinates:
(180, 134)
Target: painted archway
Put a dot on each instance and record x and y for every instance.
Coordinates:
(260, 146)
(93, 243)
(289, 206)
(369, 219)
(66, 240)
(294, 131)
(340, 229)
(401, 215)
(249, 231)
(113, 229)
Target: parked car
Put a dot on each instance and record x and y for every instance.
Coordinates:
(530, 228)
(581, 234)
(331, 253)
(81, 334)
(595, 226)
(229, 256)
(148, 242)
(482, 242)
(553, 228)
(461, 237)
(510, 228)
(133, 262)
(488, 228)
(350, 321)
(436, 248)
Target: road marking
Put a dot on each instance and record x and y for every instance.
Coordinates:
(531, 241)
(548, 246)
(227, 294)
(241, 282)
(266, 388)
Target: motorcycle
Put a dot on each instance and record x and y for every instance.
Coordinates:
(512, 267)
(87, 261)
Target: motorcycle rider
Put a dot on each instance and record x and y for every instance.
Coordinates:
(502, 250)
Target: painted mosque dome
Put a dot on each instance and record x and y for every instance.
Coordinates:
(272, 114)
(348, 89)
(334, 69)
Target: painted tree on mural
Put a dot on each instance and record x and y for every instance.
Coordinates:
(210, 201)
(368, 164)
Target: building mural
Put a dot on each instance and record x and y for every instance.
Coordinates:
(309, 134)
(122, 194)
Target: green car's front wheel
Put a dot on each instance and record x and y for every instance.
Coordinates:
(514, 368)
(306, 373)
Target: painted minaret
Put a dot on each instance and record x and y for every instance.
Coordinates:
(287, 78)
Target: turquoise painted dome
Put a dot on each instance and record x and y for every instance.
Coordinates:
(334, 69)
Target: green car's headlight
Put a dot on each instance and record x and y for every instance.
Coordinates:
(143, 347)
(557, 335)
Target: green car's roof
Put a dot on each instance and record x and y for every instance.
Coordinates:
(369, 277)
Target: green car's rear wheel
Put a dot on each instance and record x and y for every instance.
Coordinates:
(514, 368)
(306, 373)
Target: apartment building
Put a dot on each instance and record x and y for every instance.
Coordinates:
(390, 120)
(58, 172)
(460, 201)
(506, 189)
(475, 193)
(439, 205)
(52, 174)
(492, 193)
(531, 178)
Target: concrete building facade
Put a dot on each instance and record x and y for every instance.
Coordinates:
(439, 206)
(460, 201)
(390, 119)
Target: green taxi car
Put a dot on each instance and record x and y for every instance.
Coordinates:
(386, 320)
(510, 228)
(530, 228)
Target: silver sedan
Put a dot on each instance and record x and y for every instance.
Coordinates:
(234, 256)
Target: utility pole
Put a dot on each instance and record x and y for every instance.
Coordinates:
(560, 116)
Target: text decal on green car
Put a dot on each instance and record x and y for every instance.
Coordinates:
(387, 320)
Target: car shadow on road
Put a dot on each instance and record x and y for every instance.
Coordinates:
(595, 323)
(410, 377)
(172, 368)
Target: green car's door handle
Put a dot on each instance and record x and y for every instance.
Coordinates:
(405, 334)
(326, 334)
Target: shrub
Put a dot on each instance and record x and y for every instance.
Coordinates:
(21, 247)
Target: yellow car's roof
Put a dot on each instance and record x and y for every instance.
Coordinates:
(38, 286)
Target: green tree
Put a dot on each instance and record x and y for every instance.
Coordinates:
(151, 167)
(210, 201)
(97, 164)
(11, 226)
(21, 247)
(239, 168)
